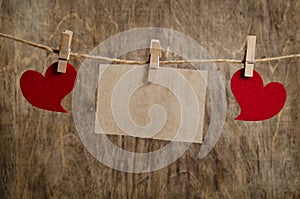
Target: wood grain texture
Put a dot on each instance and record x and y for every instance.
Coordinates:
(42, 155)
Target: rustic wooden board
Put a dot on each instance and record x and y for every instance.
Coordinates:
(42, 155)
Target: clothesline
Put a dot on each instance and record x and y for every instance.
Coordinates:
(123, 61)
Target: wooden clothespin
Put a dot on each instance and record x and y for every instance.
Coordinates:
(64, 51)
(250, 56)
(154, 60)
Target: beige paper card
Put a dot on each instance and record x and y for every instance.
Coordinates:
(170, 109)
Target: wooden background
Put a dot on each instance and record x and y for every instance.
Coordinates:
(42, 155)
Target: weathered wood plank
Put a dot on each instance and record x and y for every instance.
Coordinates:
(42, 157)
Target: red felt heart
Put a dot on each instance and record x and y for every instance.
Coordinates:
(256, 101)
(46, 92)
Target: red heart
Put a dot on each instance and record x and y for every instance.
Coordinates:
(256, 101)
(46, 92)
